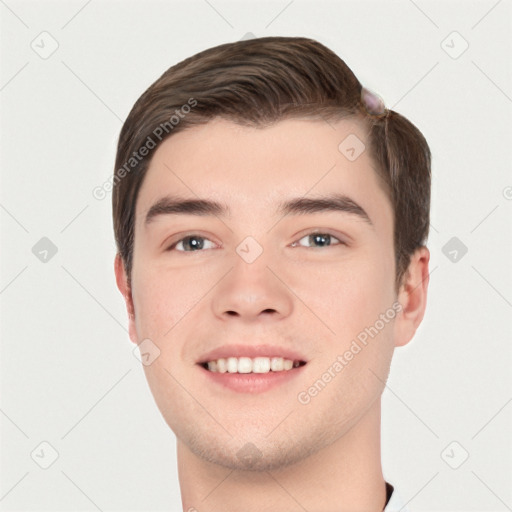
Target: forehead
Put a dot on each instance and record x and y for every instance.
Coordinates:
(254, 169)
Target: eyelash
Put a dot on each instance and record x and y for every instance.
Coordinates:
(172, 247)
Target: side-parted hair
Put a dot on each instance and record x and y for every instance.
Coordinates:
(258, 82)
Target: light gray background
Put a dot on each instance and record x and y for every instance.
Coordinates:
(68, 374)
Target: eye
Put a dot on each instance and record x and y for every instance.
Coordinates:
(322, 239)
(193, 242)
(196, 243)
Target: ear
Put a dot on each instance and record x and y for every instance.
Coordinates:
(124, 288)
(412, 296)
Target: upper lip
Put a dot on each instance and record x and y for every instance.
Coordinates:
(251, 351)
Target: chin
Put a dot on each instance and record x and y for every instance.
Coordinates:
(250, 457)
(253, 451)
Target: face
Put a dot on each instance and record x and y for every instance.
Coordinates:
(307, 283)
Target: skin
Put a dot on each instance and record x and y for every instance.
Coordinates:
(320, 456)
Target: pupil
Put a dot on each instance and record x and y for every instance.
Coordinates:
(194, 243)
(321, 239)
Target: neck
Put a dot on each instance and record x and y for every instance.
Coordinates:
(345, 476)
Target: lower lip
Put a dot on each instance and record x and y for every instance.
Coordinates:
(252, 382)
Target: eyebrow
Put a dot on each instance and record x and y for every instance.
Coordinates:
(298, 206)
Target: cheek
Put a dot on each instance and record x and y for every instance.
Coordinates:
(159, 303)
(166, 300)
(350, 299)
(348, 295)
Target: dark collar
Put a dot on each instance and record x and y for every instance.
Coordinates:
(389, 492)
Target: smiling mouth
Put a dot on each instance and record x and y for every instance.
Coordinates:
(251, 365)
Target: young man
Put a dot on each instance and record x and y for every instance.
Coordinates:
(271, 218)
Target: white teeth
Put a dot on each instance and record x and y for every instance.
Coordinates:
(222, 366)
(276, 364)
(232, 364)
(261, 365)
(244, 365)
(251, 365)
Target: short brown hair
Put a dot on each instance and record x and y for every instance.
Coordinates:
(258, 82)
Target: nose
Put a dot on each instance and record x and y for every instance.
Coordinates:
(253, 292)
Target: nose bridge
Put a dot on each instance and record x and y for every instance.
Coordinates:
(251, 288)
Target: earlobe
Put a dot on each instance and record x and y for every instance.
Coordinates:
(124, 288)
(413, 297)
